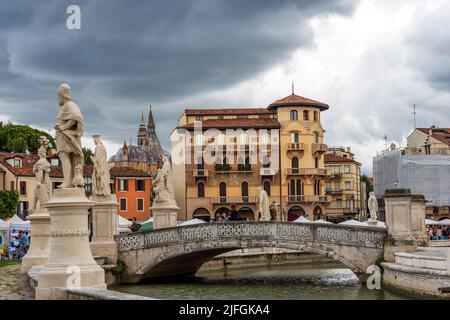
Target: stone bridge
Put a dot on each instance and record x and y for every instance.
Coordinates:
(181, 251)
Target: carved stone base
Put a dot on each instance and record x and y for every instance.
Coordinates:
(104, 215)
(372, 222)
(392, 245)
(165, 216)
(39, 250)
(70, 263)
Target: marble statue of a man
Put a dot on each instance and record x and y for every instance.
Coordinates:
(264, 209)
(163, 184)
(69, 129)
(100, 175)
(372, 204)
(41, 170)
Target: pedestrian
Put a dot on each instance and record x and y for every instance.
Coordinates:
(234, 214)
(135, 226)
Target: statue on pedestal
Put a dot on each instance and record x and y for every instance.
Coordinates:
(163, 184)
(41, 170)
(69, 129)
(100, 175)
(372, 204)
(264, 210)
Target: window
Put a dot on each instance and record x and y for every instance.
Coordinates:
(267, 187)
(347, 168)
(123, 185)
(201, 190)
(339, 203)
(337, 169)
(348, 185)
(295, 137)
(317, 187)
(220, 117)
(244, 191)
(223, 192)
(54, 162)
(23, 188)
(294, 165)
(316, 116)
(296, 187)
(328, 187)
(140, 185)
(140, 204)
(306, 115)
(198, 118)
(316, 137)
(294, 115)
(123, 204)
(337, 186)
(316, 162)
(11, 185)
(17, 163)
(266, 161)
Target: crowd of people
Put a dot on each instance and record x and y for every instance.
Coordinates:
(438, 232)
(233, 215)
(19, 244)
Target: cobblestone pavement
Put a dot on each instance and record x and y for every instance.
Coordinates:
(14, 285)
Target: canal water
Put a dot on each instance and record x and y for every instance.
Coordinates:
(321, 281)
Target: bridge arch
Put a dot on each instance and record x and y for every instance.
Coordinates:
(182, 250)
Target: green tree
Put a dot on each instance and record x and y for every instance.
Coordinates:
(369, 185)
(87, 156)
(9, 200)
(19, 138)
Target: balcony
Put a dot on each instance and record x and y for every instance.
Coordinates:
(309, 199)
(319, 148)
(200, 173)
(268, 171)
(306, 172)
(300, 147)
(335, 193)
(231, 200)
(342, 211)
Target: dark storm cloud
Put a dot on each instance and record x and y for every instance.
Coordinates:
(130, 53)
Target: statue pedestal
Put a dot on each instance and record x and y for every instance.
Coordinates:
(70, 262)
(165, 216)
(104, 216)
(39, 250)
(372, 222)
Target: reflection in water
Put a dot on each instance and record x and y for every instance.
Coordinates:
(325, 281)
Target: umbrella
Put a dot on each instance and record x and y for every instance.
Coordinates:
(352, 222)
(191, 222)
(301, 219)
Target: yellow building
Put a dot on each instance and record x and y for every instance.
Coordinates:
(221, 157)
(344, 186)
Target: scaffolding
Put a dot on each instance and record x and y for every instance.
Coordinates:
(428, 175)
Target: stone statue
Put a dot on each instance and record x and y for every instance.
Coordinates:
(372, 204)
(100, 175)
(264, 210)
(69, 129)
(163, 184)
(41, 170)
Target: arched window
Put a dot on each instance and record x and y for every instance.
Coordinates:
(294, 115)
(316, 137)
(316, 162)
(266, 162)
(267, 187)
(316, 116)
(244, 191)
(317, 187)
(306, 115)
(201, 190)
(294, 165)
(295, 137)
(223, 192)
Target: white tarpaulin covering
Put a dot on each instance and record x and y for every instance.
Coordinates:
(445, 222)
(380, 224)
(353, 222)
(193, 221)
(429, 222)
(301, 219)
(122, 222)
(322, 221)
(16, 223)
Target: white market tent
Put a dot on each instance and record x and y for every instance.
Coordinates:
(122, 222)
(445, 222)
(18, 224)
(301, 219)
(380, 224)
(4, 225)
(322, 221)
(353, 222)
(430, 222)
(191, 222)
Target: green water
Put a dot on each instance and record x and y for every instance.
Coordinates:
(324, 281)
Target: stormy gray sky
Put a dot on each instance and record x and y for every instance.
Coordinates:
(370, 60)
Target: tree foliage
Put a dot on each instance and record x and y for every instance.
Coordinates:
(87, 156)
(369, 185)
(19, 138)
(9, 200)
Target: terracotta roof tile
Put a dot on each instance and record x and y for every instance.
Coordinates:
(236, 123)
(128, 172)
(227, 111)
(295, 100)
(440, 134)
(331, 157)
